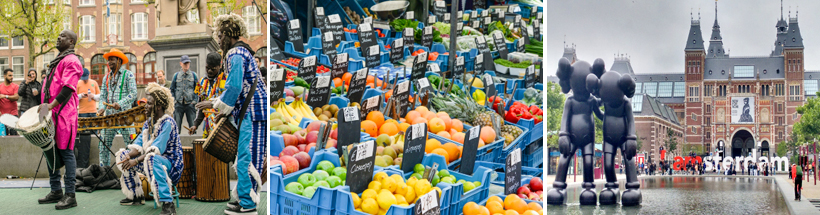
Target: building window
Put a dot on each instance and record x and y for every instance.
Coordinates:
(744, 72)
(132, 62)
(693, 117)
(638, 88)
(794, 92)
(680, 89)
(139, 26)
(665, 89)
(779, 90)
(67, 22)
(810, 86)
(98, 66)
(694, 94)
(47, 58)
(87, 2)
(4, 63)
(707, 89)
(708, 108)
(4, 42)
(651, 88)
(148, 67)
(137, 1)
(764, 90)
(637, 103)
(251, 16)
(87, 30)
(17, 42)
(693, 130)
(114, 26)
(17, 64)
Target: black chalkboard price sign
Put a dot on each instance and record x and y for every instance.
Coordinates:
(431, 20)
(520, 45)
(408, 39)
(295, 35)
(319, 17)
(307, 69)
(277, 83)
(499, 16)
(335, 26)
(402, 94)
(512, 172)
(428, 204)
(419, 66)
(459, 28)
(276, 52)
(446, 18)
(360, 165)
(478, 66)
(458, 69)
(367, 37)
(489, 86)
(525, 34)
(373, 57)
(475, 23)
(487, 20)
(319, 91)
(339, 67)
(440, 10)
(530, 77)
(349, 127)
(423, 86)
(371, 104)
(355, 90)
(517, 21)
(327, 45)
(427, 37)
(397, 51)
(414, 143)
(500, 44)
(470, 150)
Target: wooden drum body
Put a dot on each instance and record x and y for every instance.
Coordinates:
(223, 141)
(212, 182)
(146, 186)
(187, 183)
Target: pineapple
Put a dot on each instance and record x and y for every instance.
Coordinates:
(483, 119)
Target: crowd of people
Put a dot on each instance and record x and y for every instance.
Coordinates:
(699, 168)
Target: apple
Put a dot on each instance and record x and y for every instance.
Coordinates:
(334, 134)
(522, 196)
(291, 164)
(321, 175)
(315, 126)
(289, 92)
(310, 145)
(303, 158)
(321, 183)
(308, 192)
(536, 184)
(326, 166)
(289, 151)
(301, 147)
(295, 187)
(333, 181)
(275, 162)
(331, 143)
(534, 196)
(307, 180)
(312, 137)
(301, 135)
(290, 140)
(523, 190)
(341, 172)
(274, 157)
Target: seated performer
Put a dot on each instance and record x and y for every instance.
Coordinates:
(157, 153)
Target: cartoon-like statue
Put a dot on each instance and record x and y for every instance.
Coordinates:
(619, 132)
(577, 128)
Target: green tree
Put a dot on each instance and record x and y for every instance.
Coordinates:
(555, 109)
(38, 21)
(782, 148)
(671, 141)
(219, 7)
(808, 128)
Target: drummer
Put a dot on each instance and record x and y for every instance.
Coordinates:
(209, 87)
(118, 92)
(60, 97)
(241, 70)
(156, 152)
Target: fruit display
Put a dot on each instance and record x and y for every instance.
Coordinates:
(519, 111)
(510, 205)
(295, 110)
(385, 191)
(326, 175)
(532, 191)
(444, 176)
(279, 122)
(326, 112)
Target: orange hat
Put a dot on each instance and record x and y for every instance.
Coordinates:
(116, 53)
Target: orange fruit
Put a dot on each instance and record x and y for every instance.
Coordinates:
(495, 199)
(370, 127)
(346, 78)
(481, 143)
(337, 82)
(456, 124)
(511, 212)
(534, 206)
(443, 153)
(412, 115)
(377, 117)
(392, 121)
(452, 151)
(435, 125)
(443, 134)
(370, 79)
(429, 115)
(495, 207)
(442, 113)
(452, 132)
(444, 117)
(458, 137)
(389, 129)
(518, 205)
(418, 120)
(509, 199)
(431, 145)
(487, 134)
(422, 110)
(403, 126)
(471, 208)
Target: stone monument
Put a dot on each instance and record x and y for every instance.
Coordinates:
(178, 36)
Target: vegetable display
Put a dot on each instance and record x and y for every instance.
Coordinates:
(507, 63)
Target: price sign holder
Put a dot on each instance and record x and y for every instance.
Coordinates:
(319, 92)
(397, 51)
(529, 77)
(408, 39)
(367, 37)
(356, 89)
(371, 104)
(469, 155)
(349, 127)
(362, 160)
(373, 57)
(278, 84)
(414, 140)
(295, 35)
(335, 26)
(401, 93)
(512, 172)
(501, 44)
(428, 204)
(307, 69)
(419, 66)
(339, 67)
(328, 48)
(276, 52)
(427, 37)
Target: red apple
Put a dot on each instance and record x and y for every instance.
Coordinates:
(301, 147)
(290, 140)
(291, 164)
(274, 158)
(334, 134)
(303, 158)
(289, 151)
(523, 190)
(314, 126)
(309, 145)
(301, 135)
(534, 196)
(312, 137)
(330, 144)
(536, 184)
(522, 196)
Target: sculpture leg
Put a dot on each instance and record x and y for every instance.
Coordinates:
(632, 195)
(557, 195)
(588, 196)
(610, 194)
(203, 11)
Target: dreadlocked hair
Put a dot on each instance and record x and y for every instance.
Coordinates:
(162, 97)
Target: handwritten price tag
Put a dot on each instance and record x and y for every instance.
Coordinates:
(351, 113)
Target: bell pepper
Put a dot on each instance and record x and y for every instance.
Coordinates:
(432, 56)
(525, 115)
(511, 116)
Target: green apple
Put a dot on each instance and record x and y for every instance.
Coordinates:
(341, 172)
(468, 186)
(477, 183)
(417, 175)
(320, 175)
(448, 180)
(322, 184)
(306, 180)
(327, 166)
(309, 192)
(295, 187)
(334, 181)
(443, 173)
(418, 168)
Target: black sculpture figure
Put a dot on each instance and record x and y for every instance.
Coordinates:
(619, 132)
(577, 128)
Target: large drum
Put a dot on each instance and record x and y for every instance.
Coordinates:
(146, 186)
(223, 141)
(40, 133)
(187, 183)
(212, 184)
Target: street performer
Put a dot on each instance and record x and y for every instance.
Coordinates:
(59, 101)
(118, 92)
(241, 71)
(157, 153)
(208, 88)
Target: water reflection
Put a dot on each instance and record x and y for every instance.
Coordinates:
(690, 195)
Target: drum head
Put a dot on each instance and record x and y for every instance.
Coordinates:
(9, 120)
(29, 118)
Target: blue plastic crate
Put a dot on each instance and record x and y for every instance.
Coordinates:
(485, 153)
(344, 201)
(527, 12)
(500, 155)
(498, 168)
(535, 154)
(284, 202)
(484, 202)
(456, 163)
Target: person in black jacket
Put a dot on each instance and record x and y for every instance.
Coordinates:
(29, 91)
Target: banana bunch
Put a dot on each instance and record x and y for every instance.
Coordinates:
(282, 108)
(301, 110)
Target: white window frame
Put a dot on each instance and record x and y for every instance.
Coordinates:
(86, 36)
(20, 46)
(87, 2)
(251, 16)
(48, 57)
(18, 74)
(137, 1)
(116, 24)
(139, 21)
(67, 2)
(4, 66)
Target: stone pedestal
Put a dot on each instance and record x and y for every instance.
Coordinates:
(170, 43)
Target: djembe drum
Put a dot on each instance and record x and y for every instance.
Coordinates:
(40, 133)
(146, 186)
(212, 184)
(187, 183)
(222, 143)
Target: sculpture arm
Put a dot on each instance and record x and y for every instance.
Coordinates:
(566, 116)
(596, 107)
(630, 121)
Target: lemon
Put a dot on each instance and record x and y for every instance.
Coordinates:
(410, 196)
(389, 184)
(370, 206)
(411, 181)
(356, 200)
(400, 199)
(402, 188)
(422, 187)
(376, 185)
(403, 204)
(379, 176)
(386, 199)
(397, 178)
(369, 194)
(382, 212)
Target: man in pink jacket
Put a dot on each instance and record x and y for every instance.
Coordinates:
(59, 98)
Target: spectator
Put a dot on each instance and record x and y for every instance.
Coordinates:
(9, 97)
(798, 181)
(89, 93)
(161, 78)
(182, 87)
(29, 91)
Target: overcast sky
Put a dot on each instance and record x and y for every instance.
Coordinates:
(653, 32)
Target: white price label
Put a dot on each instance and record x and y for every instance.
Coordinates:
(474, 14)
(460, 26)
(277, 74)
(309, 61)
(460, 15)
(398, 43)
(439, 3)
(351, 114)
(531, 69)
(403, 86)
(536, 24)
(474, 132)
(408, 32)
(428, 30)
(511, 9)
(328, 36)
(368, 20)
(540, 15)
(418, 131)
(364, 150)
(365, 27)
(518, 18)
(481, 39)
(373, 101)
(476, 23)
(294, 24)
(428, 201)
(341, 58)
(515, 156)
(460, 61)
(334, 18)
(421, 57)
(498, 35)
(374, 50)
(488, 80)
(487, 20)
(431, 19)
(322, 81)
(409, 15)
(361, 74)
(485, 13)
(446, 17)
(423, 83)
(320, 11)
(500, 15)
(434, 67)
(479, 58)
